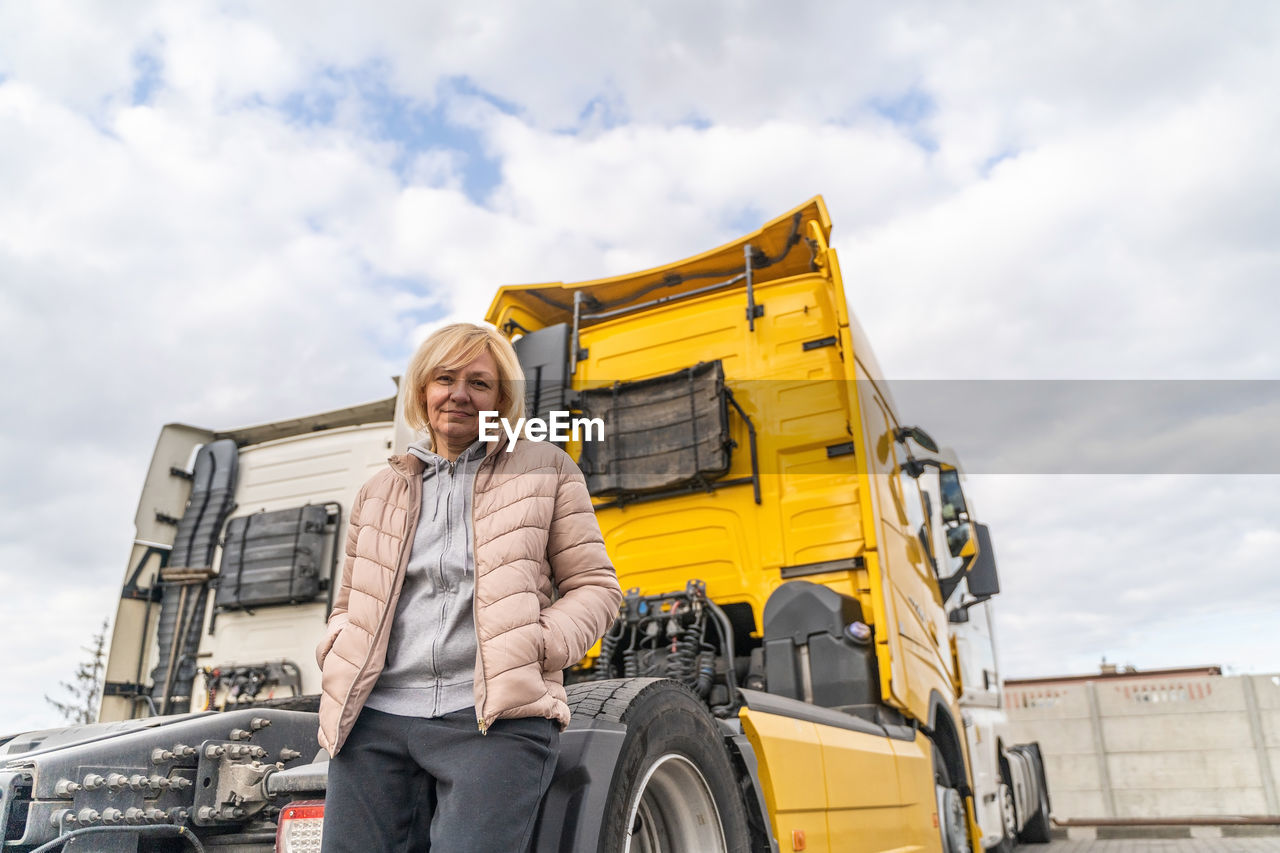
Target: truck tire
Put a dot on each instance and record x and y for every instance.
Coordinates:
(1008, 807)
(1008, 818)
(953, 823)
(673, 789)
(1036, 830)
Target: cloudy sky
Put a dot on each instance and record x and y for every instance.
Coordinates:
(226, 213)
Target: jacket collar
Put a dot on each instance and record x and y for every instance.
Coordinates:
(409, 465)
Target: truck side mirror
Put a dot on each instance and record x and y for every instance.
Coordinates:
(917, 435)
(983, 580)
(960, 541)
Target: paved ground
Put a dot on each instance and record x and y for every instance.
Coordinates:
(1267, 844)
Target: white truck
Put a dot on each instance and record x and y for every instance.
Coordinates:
(1010, 787)
(1011, 791)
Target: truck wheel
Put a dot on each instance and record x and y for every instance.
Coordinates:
(1036, 830)
(953, 825)
(1008, 818)
(674, 789)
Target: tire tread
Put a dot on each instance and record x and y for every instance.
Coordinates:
(609, 699)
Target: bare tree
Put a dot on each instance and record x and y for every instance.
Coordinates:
(81, 705)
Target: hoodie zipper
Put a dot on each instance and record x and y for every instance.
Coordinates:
(479, 677)
(481, 723)
(444, 599)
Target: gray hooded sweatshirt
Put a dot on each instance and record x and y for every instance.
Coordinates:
(431, 653)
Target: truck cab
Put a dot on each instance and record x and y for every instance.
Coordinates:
(752, 444)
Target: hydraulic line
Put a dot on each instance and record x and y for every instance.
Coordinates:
(182, 832)
(608, 645)
(670, 636)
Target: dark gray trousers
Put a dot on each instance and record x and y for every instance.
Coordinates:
(408, 784)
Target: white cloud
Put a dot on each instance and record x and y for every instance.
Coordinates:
(1115, 251)
(1149, 570)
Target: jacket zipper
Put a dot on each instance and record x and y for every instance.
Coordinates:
(481, 724)
(400, 569)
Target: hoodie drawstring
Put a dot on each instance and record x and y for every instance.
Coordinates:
(435, 511)
(458, 470)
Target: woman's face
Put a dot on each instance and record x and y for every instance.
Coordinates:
(454, 399)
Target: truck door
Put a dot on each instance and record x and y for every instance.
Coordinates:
(912, 632)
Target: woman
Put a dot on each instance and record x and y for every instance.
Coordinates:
(473, 576)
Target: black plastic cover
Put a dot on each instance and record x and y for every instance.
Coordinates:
(660, 433)
(272, 558)
(544, 357)
(806, 617)
(213, 485)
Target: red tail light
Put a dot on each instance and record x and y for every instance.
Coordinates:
(300, 827)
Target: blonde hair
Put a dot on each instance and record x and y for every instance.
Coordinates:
(452, 348)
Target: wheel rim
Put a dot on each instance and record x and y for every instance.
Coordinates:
(673, 811)
(1008, 812)
(951, 821)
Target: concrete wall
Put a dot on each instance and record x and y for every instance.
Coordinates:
(1173, 747)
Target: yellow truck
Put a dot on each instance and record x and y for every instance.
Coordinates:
(781, 675)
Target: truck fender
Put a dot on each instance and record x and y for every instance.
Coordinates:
(573, 809)
(944, 733)
(748, 771)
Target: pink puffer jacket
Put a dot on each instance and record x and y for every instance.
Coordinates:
(545, 590)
